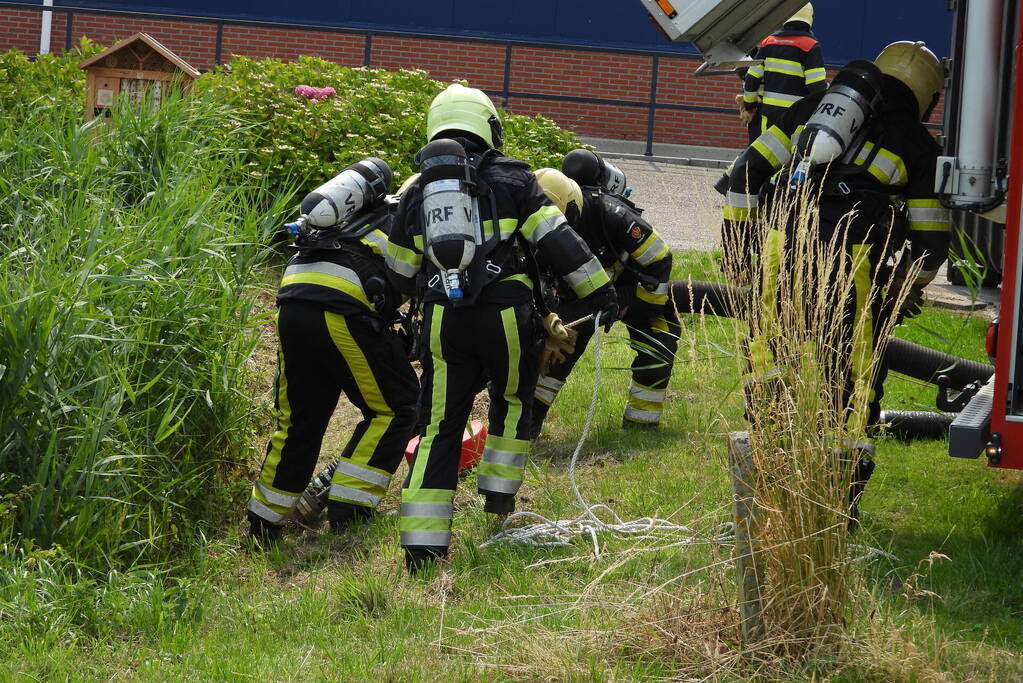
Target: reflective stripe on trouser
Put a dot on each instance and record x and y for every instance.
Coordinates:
(504, 461)
(761, 357)
(321, 356)
(860, 390)
(465, 349)
(547, 389)
(655, 341)
(644, 404)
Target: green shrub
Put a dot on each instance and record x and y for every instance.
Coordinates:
(47, 80)
(375, 113)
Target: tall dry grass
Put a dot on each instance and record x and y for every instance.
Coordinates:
(808, 364)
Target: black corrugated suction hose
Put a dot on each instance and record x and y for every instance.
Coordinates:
(915, 424)
(907, 358)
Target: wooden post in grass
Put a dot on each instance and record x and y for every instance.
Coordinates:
(750, 583)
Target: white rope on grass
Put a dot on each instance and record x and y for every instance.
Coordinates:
(547, 533)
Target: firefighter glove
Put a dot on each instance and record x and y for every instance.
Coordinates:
(913, 303)
(559, 344)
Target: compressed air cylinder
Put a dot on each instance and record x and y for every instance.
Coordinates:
(613, 179)
(450, 213)
(363, 184)
(590, 170)
(840, 116)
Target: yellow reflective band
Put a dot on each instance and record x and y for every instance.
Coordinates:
(815, 76)
(863, 338)
(756, 71)
(924, 204)
(417, 242)
(736, 213)
(538, 216)
(507, 225)
(929, 226)
(438, 406)
(783, 66)
(650, 297)
(750, 97)
(587, 278)
(774, 146)
(651, 250)
(280, 435)
(777, 99)
(366, 381)
(403, 261)
(520, 277)
(332, 281)
(511, 387)
(377, 241)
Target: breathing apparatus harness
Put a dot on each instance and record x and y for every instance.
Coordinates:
(464, 261)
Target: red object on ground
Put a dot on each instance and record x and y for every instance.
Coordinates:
(473, 439)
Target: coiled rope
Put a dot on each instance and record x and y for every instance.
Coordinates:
(543, 532)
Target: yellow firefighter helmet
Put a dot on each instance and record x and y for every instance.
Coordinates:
(464, 109)
(805, 15)
(560, 189)
(918, 68)
(408, 181)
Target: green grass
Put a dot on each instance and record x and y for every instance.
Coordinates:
(323, 607)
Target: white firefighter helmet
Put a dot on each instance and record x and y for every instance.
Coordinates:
(560, 189)
(464, 109)
(918, 68)
(805, 15)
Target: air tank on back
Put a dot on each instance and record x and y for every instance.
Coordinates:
(450, 214)
(362, 185)
(840, 118)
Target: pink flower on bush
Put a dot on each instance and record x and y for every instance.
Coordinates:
(314, 94)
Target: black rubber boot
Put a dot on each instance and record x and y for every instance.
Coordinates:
(498, 503)
(861, 475)
(418, 557)
(343, 515)
(261, 532)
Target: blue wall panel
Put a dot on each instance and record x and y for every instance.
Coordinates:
(847, 30)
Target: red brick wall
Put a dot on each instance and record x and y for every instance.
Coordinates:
(259, 42)
(20, 29)
(194, 42)
(545, 71)
(481, 64)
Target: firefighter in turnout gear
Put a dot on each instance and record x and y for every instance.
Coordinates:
(886, 170)
(792, 68)
(638, 262)
(334, 321)
(462, 241)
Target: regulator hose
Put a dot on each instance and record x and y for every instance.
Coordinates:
(908, 425)
(907, 358)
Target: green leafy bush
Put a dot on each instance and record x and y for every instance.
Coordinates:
(47, 80)
(375, 113)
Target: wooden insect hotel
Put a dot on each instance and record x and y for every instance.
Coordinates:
(138, 67)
